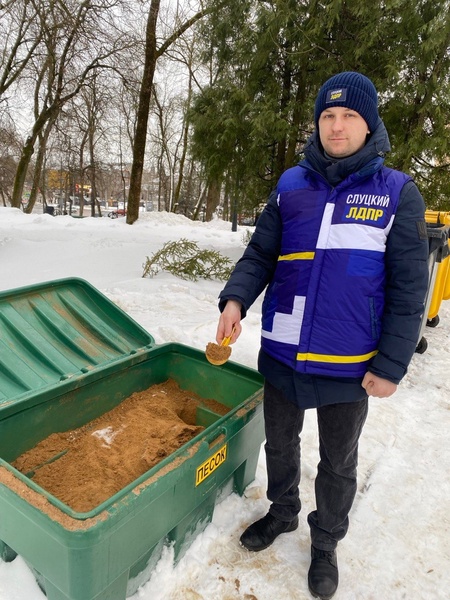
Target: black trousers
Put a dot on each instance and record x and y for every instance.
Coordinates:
(340, 427)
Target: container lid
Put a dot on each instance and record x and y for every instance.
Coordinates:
(438, 239)
(60, 330)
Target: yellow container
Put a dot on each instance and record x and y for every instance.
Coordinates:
(441, 288)
(436, 216)
(446, 292)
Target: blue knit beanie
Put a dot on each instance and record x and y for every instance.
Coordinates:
(352, 90)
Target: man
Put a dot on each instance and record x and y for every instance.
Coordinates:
(342, 245)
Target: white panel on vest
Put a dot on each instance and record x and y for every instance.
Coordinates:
(322, 240)
(357, 236)
(286, 328)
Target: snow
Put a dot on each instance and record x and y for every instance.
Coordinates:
(398, 545)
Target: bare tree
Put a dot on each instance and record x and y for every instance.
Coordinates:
(152, 53)
(19, 38)
(72, 50)
(95, 99)
(184, 54)
(164, 111)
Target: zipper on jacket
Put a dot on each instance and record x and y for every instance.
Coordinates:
(373, 319)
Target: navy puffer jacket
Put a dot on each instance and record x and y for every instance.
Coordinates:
(406, 267)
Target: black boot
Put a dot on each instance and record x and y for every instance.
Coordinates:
(323, 575)
(263, 533)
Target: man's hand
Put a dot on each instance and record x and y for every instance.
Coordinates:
(230, 317)
(377, 386)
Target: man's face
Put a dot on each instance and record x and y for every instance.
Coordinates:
(342, 131)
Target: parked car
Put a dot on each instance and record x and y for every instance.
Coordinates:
(117, 212)
(52, 209)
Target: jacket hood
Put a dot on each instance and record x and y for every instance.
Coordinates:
(335, 170)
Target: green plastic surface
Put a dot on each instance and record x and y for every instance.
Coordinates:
(59, 330)
(107, 553)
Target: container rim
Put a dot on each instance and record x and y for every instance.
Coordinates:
(184, 452)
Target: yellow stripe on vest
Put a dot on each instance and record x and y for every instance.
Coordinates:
(335, 358)
(297, 256)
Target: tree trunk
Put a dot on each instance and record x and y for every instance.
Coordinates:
(21, 173)
(43, 138)
(43, 123)
(140, 139)
(36, 177)
(185, 142)
(93, 174)
(212, 199)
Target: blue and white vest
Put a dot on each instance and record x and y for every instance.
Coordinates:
(323, 308)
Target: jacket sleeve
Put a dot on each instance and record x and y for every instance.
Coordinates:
(255, 268)
(406, 262)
